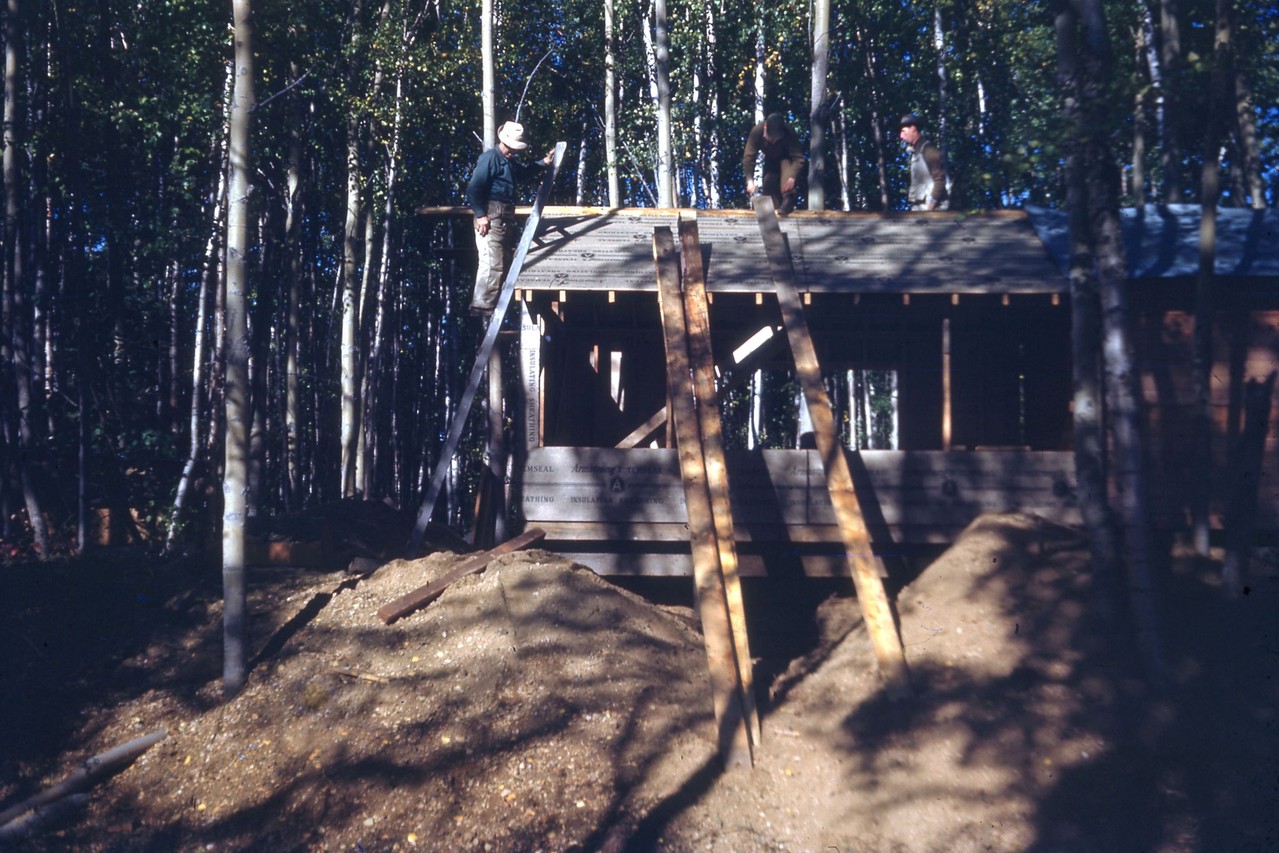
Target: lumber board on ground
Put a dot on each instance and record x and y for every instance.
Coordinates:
(425, 594)
(733, 736)
(90, 772)
(863, 565)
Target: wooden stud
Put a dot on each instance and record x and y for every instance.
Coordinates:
(612, 297)
(808, 297)
(905, 298)
(644, 430)
(1056, 299)
(759, 299)
(945, 385)
(733, 736)
(697, 322)
(563, 296)
(1006, 300)
(954, 299)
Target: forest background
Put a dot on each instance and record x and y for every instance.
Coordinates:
(116, 163)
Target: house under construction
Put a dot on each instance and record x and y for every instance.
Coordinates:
(635, 325)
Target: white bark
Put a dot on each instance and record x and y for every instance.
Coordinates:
(349, 356)
(487, 88)
(817, 106)
(610, 109)
(712, 145)
(662, 82)
(237, 389)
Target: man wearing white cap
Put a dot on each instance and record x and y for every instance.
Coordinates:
(491, 196)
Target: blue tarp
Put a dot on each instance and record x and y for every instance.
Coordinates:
(1163, 241)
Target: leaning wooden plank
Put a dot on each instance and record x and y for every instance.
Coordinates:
(697, 322)
(733, 736)
(864, 564)
(644, 430)
(427, 593)
(482, 357)
(95, 768)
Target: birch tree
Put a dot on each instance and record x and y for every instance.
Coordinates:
(661, 51)
(1087, 405)
(817, 106)
(488, 96)
(1205, 301)
(23, 419)
(1123, 394)
(238, 404)
(1170, 67)
(610, 108)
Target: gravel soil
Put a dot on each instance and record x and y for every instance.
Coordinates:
(539, 707)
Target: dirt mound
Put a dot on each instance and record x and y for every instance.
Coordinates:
(539, 707)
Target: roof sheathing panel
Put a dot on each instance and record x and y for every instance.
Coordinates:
(832, 252)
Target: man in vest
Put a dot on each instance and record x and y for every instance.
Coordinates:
(929, 185)
(491, 197)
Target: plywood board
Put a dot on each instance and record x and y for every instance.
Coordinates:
(833, 253)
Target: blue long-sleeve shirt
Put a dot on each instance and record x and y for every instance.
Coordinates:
(494, 178)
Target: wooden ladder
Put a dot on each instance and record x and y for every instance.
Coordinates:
(482, 357)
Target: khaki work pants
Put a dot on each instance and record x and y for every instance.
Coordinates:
(495, 251)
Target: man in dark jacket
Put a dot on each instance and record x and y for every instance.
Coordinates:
(783, 161)
(929, 184)
(491, 197)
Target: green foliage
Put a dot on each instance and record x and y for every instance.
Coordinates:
(123, 118)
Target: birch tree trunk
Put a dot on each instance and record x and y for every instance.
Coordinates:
(1123, 389)
(713, 199)
(939, 45)
(662, 69)
(349, 358)
(1088, 401)
(18, 327)
(1205, 301)
(365, 297)
(845, 191)
(1138, 180)
(1170, 65)
(761, 64)
(488, 86)
(876, 121)
(610, 109)
(199, 387)
(817, 106)
(1246, 119)
(373, 366)
(238, 411)
(292, 325)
